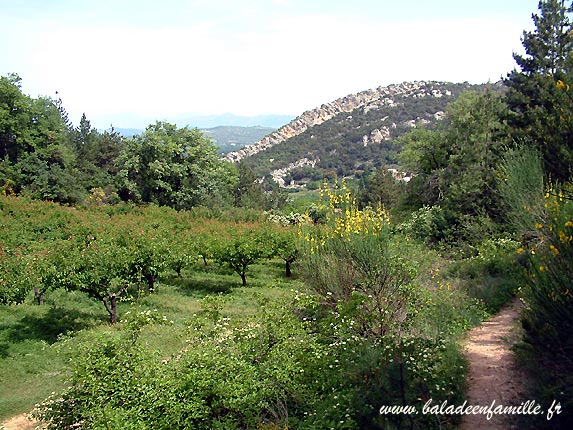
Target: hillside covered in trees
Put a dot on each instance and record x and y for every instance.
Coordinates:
(151, 284)
(355, 134)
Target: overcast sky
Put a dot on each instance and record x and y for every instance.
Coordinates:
(126, 62)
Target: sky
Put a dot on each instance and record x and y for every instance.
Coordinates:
(128, 63)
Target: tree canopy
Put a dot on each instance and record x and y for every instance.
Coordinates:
(172, 167)
(539, 89)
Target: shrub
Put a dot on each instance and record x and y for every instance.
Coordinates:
(427, 224)
(548, 314)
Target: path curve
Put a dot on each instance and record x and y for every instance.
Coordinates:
(493, 373)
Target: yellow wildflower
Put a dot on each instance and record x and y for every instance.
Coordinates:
(564, 238)
(554, 250)
(538, 226)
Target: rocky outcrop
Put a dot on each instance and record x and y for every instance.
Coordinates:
(376, 136)
(278, 175)
(367, 100)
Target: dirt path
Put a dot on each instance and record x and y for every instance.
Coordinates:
(493, 374)
(20, 422)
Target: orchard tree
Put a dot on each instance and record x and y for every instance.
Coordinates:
(175, 167)
(14, 277)
(540, 110)
(241, 250)
(101, 270)
(53, 268)
(148, 256)
(285, 245)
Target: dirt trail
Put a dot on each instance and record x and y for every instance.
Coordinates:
(493, 374)
(20, 422)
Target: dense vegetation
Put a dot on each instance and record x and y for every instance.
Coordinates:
(311, 315)
(289, 361)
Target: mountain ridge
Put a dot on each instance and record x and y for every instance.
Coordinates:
(327, 111)
(351, 133)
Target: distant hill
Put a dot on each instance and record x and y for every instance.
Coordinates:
(134, 121)
(226, 138)
(350, 135)
(232, 138)
(228, 119)
(127, 132)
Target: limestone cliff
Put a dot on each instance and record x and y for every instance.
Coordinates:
(373, 99)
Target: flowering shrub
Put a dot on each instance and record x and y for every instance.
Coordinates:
(357, 268)
(289, 365)
(548, 297)
(292, 218)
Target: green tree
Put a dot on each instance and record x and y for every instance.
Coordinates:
(535, 98)
(14, 119)
(14, 277)
(101, 270)
(476, 136)
(285, 245)
(36, 157)
(27, 125)
(380, 188)
(241, 250)
(248, 192)
(173, 167)
(52, 268)
(96, 154)
(85, 138)
(425, 153)
(147, 257)
(454, 163)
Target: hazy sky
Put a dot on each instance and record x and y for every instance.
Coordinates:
(117, 60)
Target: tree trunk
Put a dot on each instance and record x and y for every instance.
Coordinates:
(150, 282)
(288, 272)
(111, 308)
(39, 295)
(243, 278)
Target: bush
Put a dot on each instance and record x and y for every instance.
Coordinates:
(543, 216)
(427, 224)
(493, 275)
(548, 314)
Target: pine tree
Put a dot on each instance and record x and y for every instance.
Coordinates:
(538, 95)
